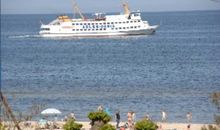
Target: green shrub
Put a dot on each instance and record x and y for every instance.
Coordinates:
(71, 125)
(145, 125)
(107, 127)
(99, 116)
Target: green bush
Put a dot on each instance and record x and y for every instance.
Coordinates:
(71, 125)
(145, 125)
(99, 116)
(107, 127)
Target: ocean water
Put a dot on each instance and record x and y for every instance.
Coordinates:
(176, 69)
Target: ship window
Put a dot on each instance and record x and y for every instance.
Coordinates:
(93, 29)
(81, 29)
(135, 26)
(77, 29)
(116, 28)
(73, 29)
(96, 23)
(116, 22)
(108, 23)
(139, 20)
(46, 29)
(123, 27)
(85, 29)
(139, 26)
(132, 27)
(119, 22)
(135, 21)
(92, 23)
(77, 23)
(97, 29)
(81, 24)
(127, 21)
(104, 29)
(127, 27)
(100, 29)
(123, 22)
(73, 24)
(112, 23)
(119, 27)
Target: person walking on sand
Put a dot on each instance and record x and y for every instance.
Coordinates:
(117, 117)
(189, 117)
(164, 116)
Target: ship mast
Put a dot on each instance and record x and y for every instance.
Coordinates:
(77, 10)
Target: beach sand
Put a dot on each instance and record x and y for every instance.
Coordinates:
(86, 125)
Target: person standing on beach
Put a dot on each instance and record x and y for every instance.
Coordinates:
(117, 117)
(129, 115)
(164, 116)
(72, 116)
(189, 117)
(100, 108)
(133, 118)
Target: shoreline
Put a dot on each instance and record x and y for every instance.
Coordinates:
(86, 125)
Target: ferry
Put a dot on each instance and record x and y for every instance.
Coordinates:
(128, 23)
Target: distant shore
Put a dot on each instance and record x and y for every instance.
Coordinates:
(86, 125)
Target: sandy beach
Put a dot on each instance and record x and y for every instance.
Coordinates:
(86, 125)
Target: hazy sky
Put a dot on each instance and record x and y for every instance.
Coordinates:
(65, 6)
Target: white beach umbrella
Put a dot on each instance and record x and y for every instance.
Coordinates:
(51, 111)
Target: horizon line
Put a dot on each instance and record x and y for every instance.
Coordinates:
(113, 12)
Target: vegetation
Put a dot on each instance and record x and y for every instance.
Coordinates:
(71, 125)
(99, 116)
(2, 127)
(99, 120)
(145, 125)
(107, 127)
(210, 127)
(215, 97)
(216, 101)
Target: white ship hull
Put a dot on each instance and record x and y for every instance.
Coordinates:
(102, 34)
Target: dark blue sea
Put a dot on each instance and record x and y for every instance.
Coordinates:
(175, 70)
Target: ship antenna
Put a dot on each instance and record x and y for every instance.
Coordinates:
(77, 10)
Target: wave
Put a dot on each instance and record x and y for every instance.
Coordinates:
(25, 36)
